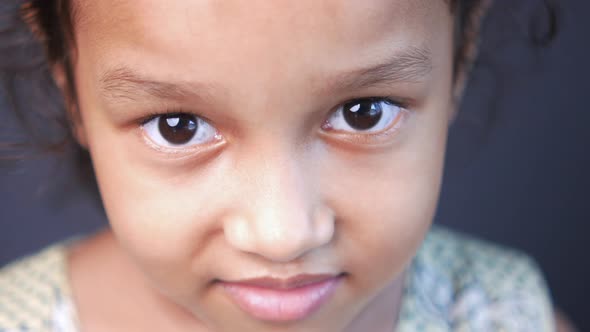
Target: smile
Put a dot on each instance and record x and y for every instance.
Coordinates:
(282, 300)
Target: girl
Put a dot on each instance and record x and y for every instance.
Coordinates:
(266, 166)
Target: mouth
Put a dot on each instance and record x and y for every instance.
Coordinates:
(282, 300)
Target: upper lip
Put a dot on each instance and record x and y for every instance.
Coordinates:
(284, 283)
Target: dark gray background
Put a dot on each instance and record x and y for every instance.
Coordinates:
(517, 168)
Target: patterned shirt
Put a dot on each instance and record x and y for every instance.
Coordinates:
(455, 283)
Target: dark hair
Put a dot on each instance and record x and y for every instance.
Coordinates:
(37, 34)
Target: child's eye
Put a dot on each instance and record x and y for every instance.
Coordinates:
(178, 130)
(370, 115)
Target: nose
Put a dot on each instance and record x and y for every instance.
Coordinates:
(280, 217)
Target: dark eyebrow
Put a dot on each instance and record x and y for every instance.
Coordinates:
(125, 83)
(411, 65)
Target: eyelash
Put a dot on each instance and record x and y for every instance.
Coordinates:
(155, 114)
(364, 138)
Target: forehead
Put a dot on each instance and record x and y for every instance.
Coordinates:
(175, 22)
(271, 38)
(207, 11)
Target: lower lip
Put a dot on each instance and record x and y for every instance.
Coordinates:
(281, 305)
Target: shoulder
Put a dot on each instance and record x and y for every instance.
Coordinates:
(31, 290)
(474, 285)
(460, 255)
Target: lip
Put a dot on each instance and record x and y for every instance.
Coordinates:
(282, 300)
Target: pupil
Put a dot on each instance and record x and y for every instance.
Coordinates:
(177, 128)
(362, 115)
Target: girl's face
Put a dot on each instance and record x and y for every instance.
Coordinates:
(300, 141)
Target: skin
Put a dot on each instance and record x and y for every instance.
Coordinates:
(276, 193)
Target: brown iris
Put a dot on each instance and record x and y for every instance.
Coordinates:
(363, 114)
(177, 128)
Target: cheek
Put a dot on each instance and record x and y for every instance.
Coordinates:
(158, 214)
(386, 203)
(160, 221)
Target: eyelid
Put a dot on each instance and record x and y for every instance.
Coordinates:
(154, 114)
(371, 141)
(183, 151)
(361, 139)
(180, 150)
(394, 102)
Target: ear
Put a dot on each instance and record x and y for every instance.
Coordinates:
(64, 79)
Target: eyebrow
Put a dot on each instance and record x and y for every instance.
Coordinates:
(125, 83)
(410, 65)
